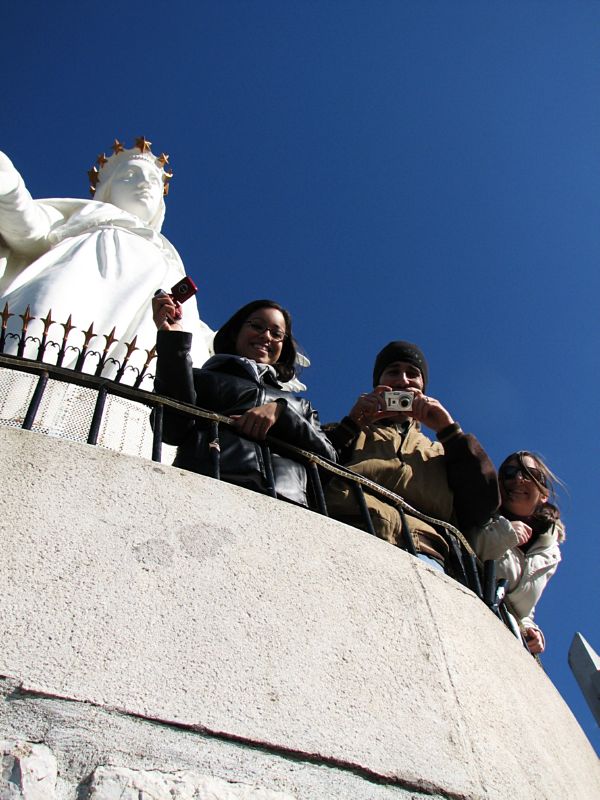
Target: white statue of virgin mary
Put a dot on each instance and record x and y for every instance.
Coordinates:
(99, 261)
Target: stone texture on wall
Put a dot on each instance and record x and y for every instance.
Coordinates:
(118, 783)
(28, 771)
(82, 737)
(269, 645)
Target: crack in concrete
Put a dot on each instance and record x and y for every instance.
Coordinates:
(468, 742)
(20, 691)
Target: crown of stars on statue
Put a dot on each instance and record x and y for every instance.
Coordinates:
(105, 166)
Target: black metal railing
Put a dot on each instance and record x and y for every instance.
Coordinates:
(315, 464)
(471, 572)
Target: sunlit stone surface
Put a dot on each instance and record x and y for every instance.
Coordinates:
(159, 621)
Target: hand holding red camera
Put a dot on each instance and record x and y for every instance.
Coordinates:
(166, 308)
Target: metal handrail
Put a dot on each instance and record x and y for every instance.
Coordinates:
(104, 386)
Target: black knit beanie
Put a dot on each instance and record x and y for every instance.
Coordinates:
(400, 351)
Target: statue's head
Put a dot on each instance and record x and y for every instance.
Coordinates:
(134, 180)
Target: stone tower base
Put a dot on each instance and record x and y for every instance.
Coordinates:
(165, 636)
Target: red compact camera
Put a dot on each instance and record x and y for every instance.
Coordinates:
(183, 290)
(180, 292)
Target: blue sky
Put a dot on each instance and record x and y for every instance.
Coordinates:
(386, 169)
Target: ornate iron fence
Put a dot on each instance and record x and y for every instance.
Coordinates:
(98, 359)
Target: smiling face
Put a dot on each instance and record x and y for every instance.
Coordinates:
(137, 188)
(521, 495)
(255, 337)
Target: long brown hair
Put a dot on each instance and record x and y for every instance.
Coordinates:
(546, 513)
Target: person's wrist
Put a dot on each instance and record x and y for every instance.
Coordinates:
(349, 425)
(448, 431)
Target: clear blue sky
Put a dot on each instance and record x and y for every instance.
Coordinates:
(387, 169)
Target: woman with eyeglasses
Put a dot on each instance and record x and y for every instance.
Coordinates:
(255, 353)
(525, 538)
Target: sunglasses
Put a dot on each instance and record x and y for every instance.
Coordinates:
(511, 472)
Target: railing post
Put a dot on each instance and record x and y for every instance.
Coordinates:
(97, 418)
(406, 534)
(362, 505)
(157, 429)
(35, 401)
(214, 449)
(315, 478)
(21, 345)
(473, 575)
(4, 316)
(42, 347)
(489, 583)
(268, 462)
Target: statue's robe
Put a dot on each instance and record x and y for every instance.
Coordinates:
(93, 261)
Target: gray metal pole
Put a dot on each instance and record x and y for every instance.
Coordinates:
(585, 665)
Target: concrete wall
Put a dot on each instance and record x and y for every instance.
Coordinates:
(164, 635)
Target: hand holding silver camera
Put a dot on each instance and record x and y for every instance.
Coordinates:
(398, 401)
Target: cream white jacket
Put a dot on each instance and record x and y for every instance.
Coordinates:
(527, 573)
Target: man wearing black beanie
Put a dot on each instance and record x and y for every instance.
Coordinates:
(452, 479)
(401, 351)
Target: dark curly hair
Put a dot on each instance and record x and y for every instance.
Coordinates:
(226, 337)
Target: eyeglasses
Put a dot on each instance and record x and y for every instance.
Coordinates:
(258, 327)
(511, 472)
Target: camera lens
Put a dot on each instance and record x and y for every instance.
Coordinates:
(404, 402)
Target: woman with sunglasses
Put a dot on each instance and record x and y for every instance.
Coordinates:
(525, 539)
(255, 353)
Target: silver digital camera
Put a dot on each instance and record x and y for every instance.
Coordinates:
(398, 401)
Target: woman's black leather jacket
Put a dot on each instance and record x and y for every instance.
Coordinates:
(229, 385)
